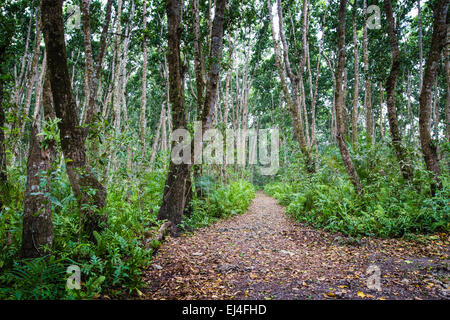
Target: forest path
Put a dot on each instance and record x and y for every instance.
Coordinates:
(263, 254)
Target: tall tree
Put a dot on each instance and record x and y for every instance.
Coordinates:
(349, 166)
(437, 43)
(37, 227)
(447, 74)
(419, 26)
(391, 83)
(367, 84)
(174, 200)
(85, 185)
(293, 103)
(356, 80)
(144, 80)
(93, 75)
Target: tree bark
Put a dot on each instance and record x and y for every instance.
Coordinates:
(381, 113)
(339, 100)
(3, 170)
(447, 73)
(144, 82)
(174, 190)
(94, 75)
(368, 97)
(33, 74)
(37, 227)
(391, 83)
(355, 81)
(87, 189)
(408, 106)
(419, 26)
(294, 102)
(174, 197)
(437, 43)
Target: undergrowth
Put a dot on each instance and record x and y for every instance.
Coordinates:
(113, 265)
(389, 206)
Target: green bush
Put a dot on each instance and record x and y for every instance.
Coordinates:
(389, 207)
(226, 201)
(112, 266)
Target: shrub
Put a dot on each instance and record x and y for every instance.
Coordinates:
(389, 207)
(226, 201)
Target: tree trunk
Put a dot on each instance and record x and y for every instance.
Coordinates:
(333, 106)
(356, 81)
(419, 26)
(381, 112)
(345, 116)
(408, 106)
(3, 170)
(293, 103)
(391, 83)
(437, 43)
(87, 189)
(174, 201)
(368, 97)
(37, 228)
(447, 73)
(93, 75)
(144, 82)
(339, 100)
(33, 74)
(174, 190)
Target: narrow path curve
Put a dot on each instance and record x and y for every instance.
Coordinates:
(263, 254)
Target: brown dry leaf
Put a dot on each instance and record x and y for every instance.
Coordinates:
(361, 294)
(253, 241)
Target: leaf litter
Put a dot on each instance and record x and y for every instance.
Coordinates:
(263, 254)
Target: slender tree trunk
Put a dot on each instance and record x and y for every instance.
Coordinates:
(93, 75)
(20, 79)
(294, 103)
(333, 106)
(33, 74)
(173, 197)
(177, 183)
(436, 112)
(419, 26)
(87, 189)
(345, 116)
(117, 83)
(368, 97)
(314, 95)
(37, 228)
(158, 133)
(3, 170)
(381, 112)
(339, 100)
(391, 83)
(144, 82)
(447, 73)
(408, 106)
(437, 43)
(356, 80)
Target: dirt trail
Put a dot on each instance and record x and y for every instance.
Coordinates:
(263, 254)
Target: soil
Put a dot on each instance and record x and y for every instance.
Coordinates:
(264, 254)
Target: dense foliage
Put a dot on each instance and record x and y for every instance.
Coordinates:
(113, 266)
(389, 207)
